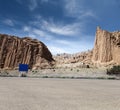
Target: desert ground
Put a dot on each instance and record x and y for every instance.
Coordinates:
(72, 73)
(18, 93)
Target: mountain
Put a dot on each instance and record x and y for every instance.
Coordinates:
(106, 51)
(15, 50)
(106, 48)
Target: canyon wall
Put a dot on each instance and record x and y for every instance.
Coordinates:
(15, 50)
(106, 48)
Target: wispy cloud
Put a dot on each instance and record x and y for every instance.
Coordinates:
(77, 9)
(33, 4)
(66, 30)
(8, 22)
(71, 6)
(37, 32)
(50, 31)
(55, 49)
(26, 29)
(59, 28)
(44, 1)
(69, 46)
(32, 36)
(43, 34)
(63, 42)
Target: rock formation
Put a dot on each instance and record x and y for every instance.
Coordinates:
(77, 59)
(107, 48)
(14, 50)
(106, 51)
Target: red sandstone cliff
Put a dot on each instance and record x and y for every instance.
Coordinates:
(106, 48)
(14, 50)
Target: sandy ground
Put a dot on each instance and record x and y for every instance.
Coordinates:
(58, 94)
(87, 73)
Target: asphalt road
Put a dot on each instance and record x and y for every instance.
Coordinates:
(59, 94)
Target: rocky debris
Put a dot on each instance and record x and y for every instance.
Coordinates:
(15, 50)
(107, 48)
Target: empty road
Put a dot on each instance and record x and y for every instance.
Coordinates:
(58, 94)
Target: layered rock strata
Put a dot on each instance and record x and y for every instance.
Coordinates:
(106, 48)
(15, 50)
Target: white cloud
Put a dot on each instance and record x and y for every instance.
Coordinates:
(49, 31)
(39, 32)
(71, 6)
(42, 33)
(77, 9)
(33, 4)
(8, 22)
(60, 28)
(55, 50)
(57, 45)
(63, 42)
(26, 29)
(32, 35)
(88, 13)
(68, 30)
(69, 47)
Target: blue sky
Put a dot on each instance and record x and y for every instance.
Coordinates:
(65, 26)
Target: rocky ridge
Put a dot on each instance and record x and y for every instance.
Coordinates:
(106, 51)
(15, 50)
(106, 48)
(78, 59)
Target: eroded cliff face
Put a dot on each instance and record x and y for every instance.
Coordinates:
(77, 60)
(107, 47)
(14, 50)
(84, 57)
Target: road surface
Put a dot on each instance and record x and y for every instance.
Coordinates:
(58, 94)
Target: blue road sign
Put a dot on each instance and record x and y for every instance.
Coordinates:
(23, 67)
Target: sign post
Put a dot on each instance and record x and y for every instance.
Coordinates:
(23, 69)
